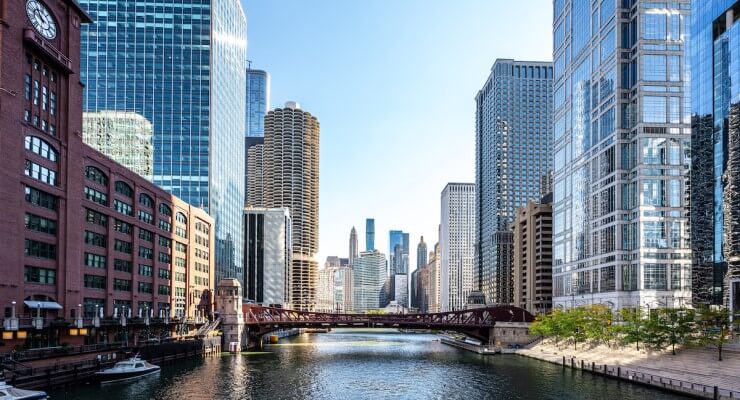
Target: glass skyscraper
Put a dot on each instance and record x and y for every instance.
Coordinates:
(513, 144)
(180, 65)
(715, 142)
(369, 234)
(258, 101)
(398, 248)
(621, 159)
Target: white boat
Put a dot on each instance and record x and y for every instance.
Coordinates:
(132, 368)
(8, 392)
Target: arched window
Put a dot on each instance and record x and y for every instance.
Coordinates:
(181, 218)
(42, 148)
(165, 209)
(124, 189)
(96, 175)
(146, 200)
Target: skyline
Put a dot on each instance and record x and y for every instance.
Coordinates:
(396, 60)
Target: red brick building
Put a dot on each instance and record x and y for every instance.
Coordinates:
(83, 238)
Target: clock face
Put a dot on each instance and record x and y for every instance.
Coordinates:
(41, 19)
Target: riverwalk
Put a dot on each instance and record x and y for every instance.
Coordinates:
(694, 371)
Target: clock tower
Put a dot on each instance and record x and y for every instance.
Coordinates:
(40, 157)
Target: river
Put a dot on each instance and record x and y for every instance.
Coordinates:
(364, 364)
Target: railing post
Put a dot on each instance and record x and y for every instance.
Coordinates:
(619, 372)
(716, 393)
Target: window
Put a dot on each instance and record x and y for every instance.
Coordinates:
(654, 109)
(146, 235)
(96, 196)
(179, 276)
(95, 217)
(654, 68)
(53, 105)
(654, 26)
(121, 285)
(655, 276)
(41, 199)
(41, 173)
(608, 46)
(41, 148)
(95, 260)
(165, 209)
(94, 282)
(27, 87)
(164, 242)
(629, 277)
(145, 270)
(92, 306)
(96, 175)
(124, 189)
(145, 252)
(145, 287)
(164, 290)
(181, 218)
(146, 217)
(122, 265)
(607, 281)
(164, 273)
(38, 249)
(40, 224)
(165, 226)
(123, 208)
(181, 232)
(42, 276)
(165, 258)
(123, 227)
(121, 246)
(146, 200)
(180, 262)
(181, 247)
(95, 239)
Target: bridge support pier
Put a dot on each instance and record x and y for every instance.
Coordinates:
(229, 307)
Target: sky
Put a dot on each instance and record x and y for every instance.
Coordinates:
(393, 84)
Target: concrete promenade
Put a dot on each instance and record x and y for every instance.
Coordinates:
(693, 371)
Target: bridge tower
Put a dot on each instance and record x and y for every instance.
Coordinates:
(229, 308)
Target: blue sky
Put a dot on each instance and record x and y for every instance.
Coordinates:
(393, 83)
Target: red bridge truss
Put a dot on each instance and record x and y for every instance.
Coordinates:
(476, 322)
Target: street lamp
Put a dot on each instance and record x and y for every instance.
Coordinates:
(78, 320)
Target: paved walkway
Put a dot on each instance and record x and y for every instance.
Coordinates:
(695, 365)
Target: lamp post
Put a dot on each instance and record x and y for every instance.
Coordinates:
(78, 321)
(11, 324)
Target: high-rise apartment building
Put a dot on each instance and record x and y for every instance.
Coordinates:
(369, 234)
(457, 242)
(291, 180)
(513, 150)
(192, 89)
(533, 257)
(715, 146)
(255, 183)
(258, 101)
(353, 249)
(369, 278)
(401, 289)
(267, 252)
(421, 253)
(621, 154)
(126, 137)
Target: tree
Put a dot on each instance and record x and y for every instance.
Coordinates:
(679, 326)
(633, 328)
(714, 324)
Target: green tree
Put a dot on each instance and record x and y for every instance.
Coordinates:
(679, 326)
(655, 335)
(714, 325)
(632, 328)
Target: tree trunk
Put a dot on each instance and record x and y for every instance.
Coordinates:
(720, 351)
(673, 348)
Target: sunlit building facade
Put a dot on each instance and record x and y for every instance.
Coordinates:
(457, 243)
(369, 278)
(126, 137)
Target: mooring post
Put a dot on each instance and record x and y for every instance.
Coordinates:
(619, 372)
(563, 362)
(716, 393)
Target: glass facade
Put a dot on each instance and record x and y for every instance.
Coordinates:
(621, 153)
(715, 207)
(369, 234)
(513, 152)
(181, 66)
(258, 101)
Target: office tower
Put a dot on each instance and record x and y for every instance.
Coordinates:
(715, 145)
(546, 184)
(421, 253)
(82, 235)
(513, 150)
(621, 154)
(369, 277)
(334, 293)
(258, 101)
(181, 66)
(533, 257)
(457, 242)
(267, 252)
(398, 248)
(426, 289)
(291, 180)
(401, 289)
(255, 183)
(126, 137)
(353, 249)
(370, 234)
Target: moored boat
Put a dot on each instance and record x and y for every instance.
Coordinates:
(132, 368)
(8, 392)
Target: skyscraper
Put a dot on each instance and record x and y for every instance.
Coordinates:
(369, 234)
(621, 154)
(267, 252)
(352, 246)
(369, 277)
(258, 101)
(126, 137)
(291, 179)
(255, 183)
(398, 248)
(421, 253)
(715, 145)
(192, 89)
(457, 242)
(513, 150)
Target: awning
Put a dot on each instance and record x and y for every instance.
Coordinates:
(46, 305)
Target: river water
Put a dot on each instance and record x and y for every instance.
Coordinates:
(369, 364)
